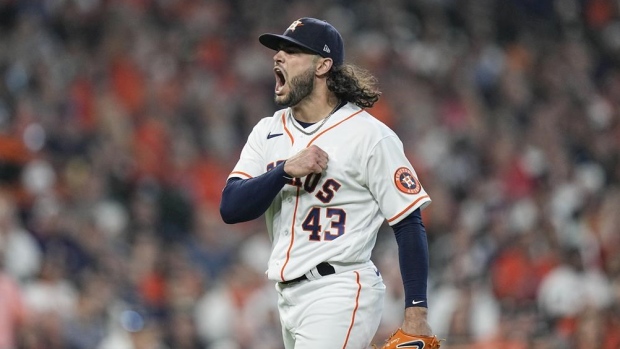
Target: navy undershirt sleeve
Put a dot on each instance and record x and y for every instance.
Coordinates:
(247, 199)
(413, 258)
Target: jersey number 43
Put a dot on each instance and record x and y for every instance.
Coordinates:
(312, 223)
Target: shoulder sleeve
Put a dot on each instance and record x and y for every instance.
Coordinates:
(251, 161)
(392, 180)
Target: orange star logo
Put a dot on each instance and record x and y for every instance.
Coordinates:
(294, 25)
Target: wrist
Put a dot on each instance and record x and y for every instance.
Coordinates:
(416, 313)
(285, 174)
(415, 322)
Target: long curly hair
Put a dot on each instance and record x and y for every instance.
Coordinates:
(353, 84)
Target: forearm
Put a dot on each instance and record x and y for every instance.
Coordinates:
(247, 199)
(413, 258)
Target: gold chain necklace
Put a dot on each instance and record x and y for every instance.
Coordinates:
(318, 127)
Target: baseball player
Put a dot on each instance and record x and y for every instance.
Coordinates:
(326, 174)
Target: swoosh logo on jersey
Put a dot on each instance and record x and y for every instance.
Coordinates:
(271, 135)
(418, 344)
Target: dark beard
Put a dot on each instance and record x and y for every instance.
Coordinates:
(301, 87)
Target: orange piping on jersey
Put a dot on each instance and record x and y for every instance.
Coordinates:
(290, 135)
(240, 173)
(290, 246)
(357, 298)
(329, 128)
(408, 207)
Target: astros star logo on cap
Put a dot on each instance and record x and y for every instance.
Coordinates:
(294, 25)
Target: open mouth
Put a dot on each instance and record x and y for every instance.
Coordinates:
(280, 80)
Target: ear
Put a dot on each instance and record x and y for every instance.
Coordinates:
(323, 66)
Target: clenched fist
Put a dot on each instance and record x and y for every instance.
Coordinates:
(310, 160)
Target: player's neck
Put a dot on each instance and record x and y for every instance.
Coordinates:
(315, 110)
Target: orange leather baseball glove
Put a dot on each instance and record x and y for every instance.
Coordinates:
(400, 339)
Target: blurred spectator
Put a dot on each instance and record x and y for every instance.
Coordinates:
(515, 330)
(133, 329)
(211, 247)
(228, 311)
(21, 253)
(14, 312)
(218, 311)
(52, 300)
(465, 311)
(88, 327)
(589, 329)
(570, 288)
(182, 333)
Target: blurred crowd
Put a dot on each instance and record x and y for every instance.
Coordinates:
(121, 119)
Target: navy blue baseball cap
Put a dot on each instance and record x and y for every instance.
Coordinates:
(313, 34)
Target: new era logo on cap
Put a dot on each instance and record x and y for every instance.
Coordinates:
(313, 34)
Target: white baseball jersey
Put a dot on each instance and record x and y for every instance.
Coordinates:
(333, 216)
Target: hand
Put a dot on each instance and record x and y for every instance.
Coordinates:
(310, 160)
(415, 322)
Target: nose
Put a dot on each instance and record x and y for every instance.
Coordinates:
(279, 56)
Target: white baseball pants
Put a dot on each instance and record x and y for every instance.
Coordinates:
(338, 311)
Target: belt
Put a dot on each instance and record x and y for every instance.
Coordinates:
(324, 269)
